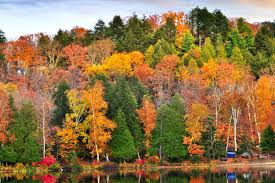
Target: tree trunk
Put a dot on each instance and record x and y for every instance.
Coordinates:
(107, 157)
(228, 134)
(43, 130)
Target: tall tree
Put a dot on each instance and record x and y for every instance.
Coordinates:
(268, 140)
(24, 148)
(121, 97)
(122, 143)
(147, 115)
(61, 102)
(170, 128)
(98, 125)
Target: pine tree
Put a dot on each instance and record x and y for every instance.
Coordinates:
(120, 97)
(170, 129)
(208, 51)
(122, 143)
(61, 102)
(220, 48)
(268, 140)
(149, 55)
(161, 49)
(187, 42)
(237, 57)
(25, 148)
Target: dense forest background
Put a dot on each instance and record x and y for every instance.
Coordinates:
(171, 87)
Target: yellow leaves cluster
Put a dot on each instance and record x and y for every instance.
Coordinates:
(8, 87)
(119, 64)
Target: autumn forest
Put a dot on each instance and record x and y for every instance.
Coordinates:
(161, 88)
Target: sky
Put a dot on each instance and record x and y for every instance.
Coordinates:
(20, 17)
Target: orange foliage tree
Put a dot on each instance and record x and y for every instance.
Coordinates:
(98, 125)
(147, 115)
(194, 126)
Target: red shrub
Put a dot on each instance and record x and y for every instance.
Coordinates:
(140, 161)
(47, 161)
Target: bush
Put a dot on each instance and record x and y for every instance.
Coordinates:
(140, 162)
(47, 161)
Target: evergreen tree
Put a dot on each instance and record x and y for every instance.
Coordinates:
(116, 31)
(137, 89)
(121, 97)
(170, 130)
(60, 100)
(221, 25)
(136, 35)
(220, 48)
(25, 148)
(268, 140)
(263, 41)
(208, 51)
(149, 55)
(2, 41)
(161, 49)
(237, 57)
(122, 143)
(213, 147)
(63, 37)
(100, 30)
(258, 63)
(187, 42)
(167, 31)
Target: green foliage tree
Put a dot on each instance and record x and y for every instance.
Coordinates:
(2, 41)
(187, 42)
(122, 143)
(169, 131)
(259, 62)
(213, 147)
(120, 97)
(100, 30)
(237, 57)
(264, 41)
(25, 148)
(137, 35)
(116, 31)
(161, 49)
(60, 100)
(137, 89)
(208, 51)
(63, 37)
(220, 48)
(268, 140)
(167, 31)
(149, 55)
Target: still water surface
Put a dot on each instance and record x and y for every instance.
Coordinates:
(244, 175)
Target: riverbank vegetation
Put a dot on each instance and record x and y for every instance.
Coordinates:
(164, 88)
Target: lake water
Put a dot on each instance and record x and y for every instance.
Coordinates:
(243, 175)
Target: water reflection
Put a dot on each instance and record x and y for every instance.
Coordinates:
(244, 175)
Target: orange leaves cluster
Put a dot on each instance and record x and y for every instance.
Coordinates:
(179, 19)
(264, 97)
(99, 126)
(147, 115)
(5, 114)
(79, 32)
(196, 116)
(76, 54)
(22, 53)
(68, 138)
